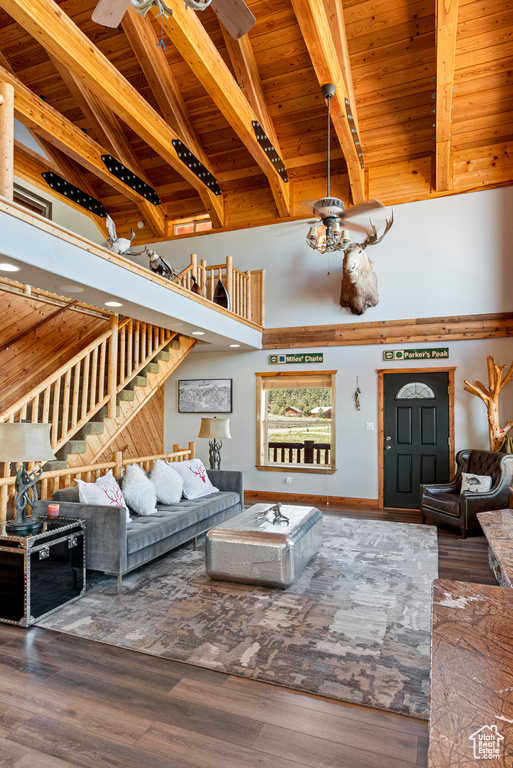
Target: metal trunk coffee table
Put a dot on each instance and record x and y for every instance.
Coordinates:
(267, 544)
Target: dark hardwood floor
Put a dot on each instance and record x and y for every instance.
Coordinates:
(67, 702)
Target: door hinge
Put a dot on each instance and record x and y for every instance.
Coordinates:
(448, 441)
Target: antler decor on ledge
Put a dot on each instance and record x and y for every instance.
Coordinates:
(490, 397)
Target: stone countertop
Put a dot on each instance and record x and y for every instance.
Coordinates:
(472, 675)
(498, 529)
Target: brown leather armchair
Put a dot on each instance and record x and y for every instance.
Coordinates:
(445, 503)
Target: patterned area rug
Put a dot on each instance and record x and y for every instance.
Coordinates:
(355, 626)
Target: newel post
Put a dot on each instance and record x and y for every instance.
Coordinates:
(229, 280)
(6, 140)
(113, 367)
(117, 456)
(192, 448)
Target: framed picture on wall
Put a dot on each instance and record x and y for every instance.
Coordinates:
(205, 395)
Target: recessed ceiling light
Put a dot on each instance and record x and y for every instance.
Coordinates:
(9, 268)
(198, 333)
(234, 345)
(70, 288)
(113, 304)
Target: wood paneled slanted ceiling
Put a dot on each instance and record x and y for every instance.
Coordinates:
(429, 84)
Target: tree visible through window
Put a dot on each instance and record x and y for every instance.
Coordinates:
(296, 420)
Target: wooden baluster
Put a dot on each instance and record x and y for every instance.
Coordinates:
(143, 334)
(211, 286)
(23, 413)
(137, 343)
(113, 378)
(43, 493)
(77, 368)
(248, 295)
(85, 386)
(65, 403)
(122, 358)
(194, 265)
(150, 340)
(203, 277)
(101, 378)
(55, 411)
(130, 342)
(94, 376)
(192, 449)
(35, 409)
(117, 456)
(46, 405)
(4, 499)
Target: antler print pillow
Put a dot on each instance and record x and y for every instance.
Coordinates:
(195, 479)
(105, 492)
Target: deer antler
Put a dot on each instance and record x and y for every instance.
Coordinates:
(372, 236)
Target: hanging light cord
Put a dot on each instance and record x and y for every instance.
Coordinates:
(329, 144)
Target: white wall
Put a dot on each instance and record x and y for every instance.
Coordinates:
(443, 257)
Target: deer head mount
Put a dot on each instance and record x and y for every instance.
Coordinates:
(359, 289)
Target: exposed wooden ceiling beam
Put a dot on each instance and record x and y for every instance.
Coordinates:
(143, 41)
(110, 133)
(56, 32)
(30, 166)
(48, 123)
(446, 27)
(316, 30)
(335, 14)
(187, 33)
(247, 76)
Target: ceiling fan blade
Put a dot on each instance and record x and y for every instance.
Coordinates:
(235, 15)
(110, 12)
(354, 227)
(356, 210)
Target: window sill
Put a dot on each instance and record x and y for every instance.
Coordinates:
(295, 468)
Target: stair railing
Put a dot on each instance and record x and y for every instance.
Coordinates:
(73, 394)
(245, 289)
(57, 479)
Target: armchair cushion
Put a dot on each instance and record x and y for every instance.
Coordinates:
(447, 503)
(475, 483)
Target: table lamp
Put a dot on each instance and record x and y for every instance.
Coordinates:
(21, 442)
(215, 429)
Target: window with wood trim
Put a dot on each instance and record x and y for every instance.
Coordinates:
(32, 201)
(296, 421)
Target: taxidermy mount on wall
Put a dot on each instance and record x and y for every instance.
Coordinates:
(359, 289)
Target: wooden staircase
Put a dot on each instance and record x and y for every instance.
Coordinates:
(92, 398)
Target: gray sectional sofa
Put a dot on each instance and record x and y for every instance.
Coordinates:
(117, 547)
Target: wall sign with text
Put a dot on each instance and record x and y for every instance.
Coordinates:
(442, 353)
(308, 357)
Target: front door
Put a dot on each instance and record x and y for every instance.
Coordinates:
(416, 435)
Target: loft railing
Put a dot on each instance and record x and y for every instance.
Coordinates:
(73, 394)
(308, 452)
(246, 290)
(54, 480)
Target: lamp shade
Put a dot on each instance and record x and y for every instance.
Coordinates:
(25, 442)
(215, 428)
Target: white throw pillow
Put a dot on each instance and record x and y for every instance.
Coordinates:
(139, 491)
(475, 483)
(195, 479)
(105, 491)
(168, 483)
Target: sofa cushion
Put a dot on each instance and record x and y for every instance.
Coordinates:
(170, 519)
(168, 483)
(445, 503)
(196, 482)
(139, 491)
(104, 492)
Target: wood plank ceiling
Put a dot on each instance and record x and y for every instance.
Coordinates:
(429, 84)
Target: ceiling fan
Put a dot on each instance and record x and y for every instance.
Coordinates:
(334, 217)
(234, 14)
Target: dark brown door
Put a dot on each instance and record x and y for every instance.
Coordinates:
(416, 435)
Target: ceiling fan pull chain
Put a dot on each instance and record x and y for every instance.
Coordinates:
(161, 43)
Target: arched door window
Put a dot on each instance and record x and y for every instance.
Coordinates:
(415, 390)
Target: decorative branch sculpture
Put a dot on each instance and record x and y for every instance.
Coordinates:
(490, 397)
